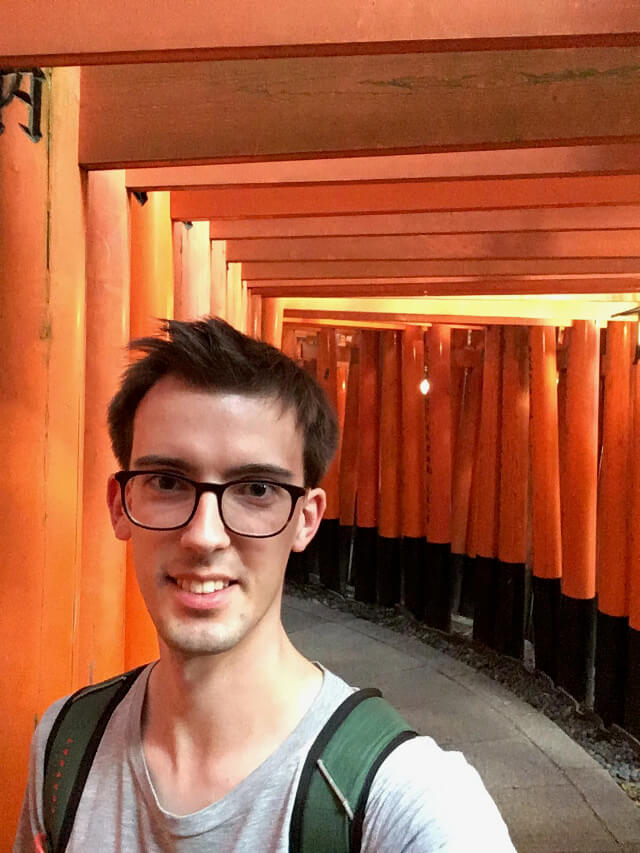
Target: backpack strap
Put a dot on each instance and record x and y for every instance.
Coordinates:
(70, 750)
(328, 812)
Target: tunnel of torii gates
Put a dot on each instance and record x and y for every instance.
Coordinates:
(450, 195)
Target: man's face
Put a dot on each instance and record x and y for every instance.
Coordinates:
(214, 437)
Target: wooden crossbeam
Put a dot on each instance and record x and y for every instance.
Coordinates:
(313, 107)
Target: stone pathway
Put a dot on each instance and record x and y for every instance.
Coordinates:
(553, 796)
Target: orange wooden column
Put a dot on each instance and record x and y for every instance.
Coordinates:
(414, 522)
(192, 270)
(234, 296)
(514, 483)
(41, 429)
(289, 342)
(101, 606)
(578, 495)
(389, 529)
(545, 497)
(462, 476)
(438, 579)
(612, 584)
(328, 532)
(272, 311)
(255, 316)
(218, 303)
(364, 545)
(487, 490)
(632, 689)
(349, 462)
(151, 298)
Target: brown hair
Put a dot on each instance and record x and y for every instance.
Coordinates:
(210, 354)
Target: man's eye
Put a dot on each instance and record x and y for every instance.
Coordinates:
(165, 483)
(258, 490)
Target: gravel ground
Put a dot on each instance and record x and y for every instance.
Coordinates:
(613, 748)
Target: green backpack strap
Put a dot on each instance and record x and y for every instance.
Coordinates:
(70, 750)
(328, 812)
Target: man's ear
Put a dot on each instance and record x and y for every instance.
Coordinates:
(309, 519)
(119, 521)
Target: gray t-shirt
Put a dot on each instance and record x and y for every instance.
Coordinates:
(422, 798)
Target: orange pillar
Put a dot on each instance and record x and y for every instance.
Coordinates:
(438, 581)
(101, 606)
(349, 462)
(514, 482)
(41, 395)
(545, 497)
(151, 298)
(192, 270)
(234, 296)
(328, 532)
(272, 312)
(389, 530)
(218, 303)
(612, 584)
(364, 546)
(255, 316)
(578, 497)
(413, 470)
(632, 689)
(289, 342)
(487, 489)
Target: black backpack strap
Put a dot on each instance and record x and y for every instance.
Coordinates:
(328, 811)
(70, 750)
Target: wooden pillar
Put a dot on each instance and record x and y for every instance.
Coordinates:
(328, 532)
(364, 546)
(389, 531)
(514, 481)
(272, 312)
(486, 475)
(41, 429)
(234, 296)
(545, 497)
(218, 303)
(192, 270)
(438, 579)
(349, 464)
(462, 477)
(101, 607)
(244, 303)
(151, 298)
(413, 470)
(632, 689)
(612, 585)
(255, 316)
(578, 496)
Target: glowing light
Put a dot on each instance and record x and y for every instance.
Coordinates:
(424, 386)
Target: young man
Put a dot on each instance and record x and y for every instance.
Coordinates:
(223, 442)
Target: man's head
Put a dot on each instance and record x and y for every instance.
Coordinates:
(208, 406)
(211, 355)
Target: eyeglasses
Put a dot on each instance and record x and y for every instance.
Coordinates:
(158, 500)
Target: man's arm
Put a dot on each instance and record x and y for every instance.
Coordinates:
(425, 799)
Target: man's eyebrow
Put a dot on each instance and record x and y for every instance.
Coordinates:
(153, 460)
(258, 469)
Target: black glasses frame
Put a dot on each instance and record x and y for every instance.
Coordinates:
(218, 489)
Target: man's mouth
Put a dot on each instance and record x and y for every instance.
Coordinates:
(202, 587)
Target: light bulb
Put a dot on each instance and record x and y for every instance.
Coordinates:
(424, 386)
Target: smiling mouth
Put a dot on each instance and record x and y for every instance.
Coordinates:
(201, 587)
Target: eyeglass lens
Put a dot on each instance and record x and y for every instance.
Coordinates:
(252, 508)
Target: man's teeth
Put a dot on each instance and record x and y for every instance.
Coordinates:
(201, 586)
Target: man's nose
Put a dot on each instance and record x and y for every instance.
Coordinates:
(205, 531)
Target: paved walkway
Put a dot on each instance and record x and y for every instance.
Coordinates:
(554, 797)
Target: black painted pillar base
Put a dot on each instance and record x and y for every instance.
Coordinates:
(328, 556)
(611, 667)
(365, 570)
(438, 586)
(546, 622)
(467, 602)
(389, 574)
(632, 692)
(486, 586)
(508, 638)
(576, 649)
(414, 560)
(345, 540)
